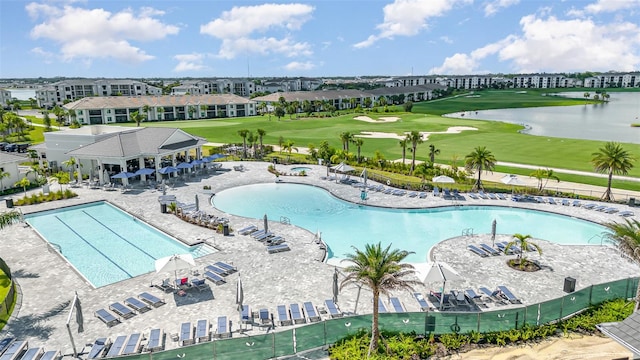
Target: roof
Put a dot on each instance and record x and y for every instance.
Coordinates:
(114, 102)
(6, 158)
(314, 95)
(626, 333)
(140, 141)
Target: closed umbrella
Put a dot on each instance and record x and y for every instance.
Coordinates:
(266, 224)
(239, 294)
(441, 272)
(197, 202)
(79, 315)
(493, 231)
(336, 288)
(174, 263)
(443, 179)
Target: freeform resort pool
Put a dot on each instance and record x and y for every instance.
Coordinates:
(106, 244)
(344, 224)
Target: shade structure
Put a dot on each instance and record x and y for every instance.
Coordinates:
(123, 175)
(216, 156)
(441, 272)
(342, 167)
(336, 288)
(364, 177)
(145, 171)
(197, 162)
(197, 202)
(167, 170)
(184, 165)
(174, 263)
(511, 180)
(443, 179)
(239, 294)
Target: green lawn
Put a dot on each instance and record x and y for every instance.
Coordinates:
(4, 290)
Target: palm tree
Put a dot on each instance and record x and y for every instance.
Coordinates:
(346, 137)
(71, 165)
(3, 174)
(358, 143)
(159, 111)
(61, 178)
(146, 109)
(261, 134)
(23, 183)
(480, 159)
(612, 159)
(626, 237)
(288, 147)
(433, 152)
(586, 97)
(9, 217)
(137, 117)
(415, 138)
(522, 242)
(252, 139)
(403, 144)
(542, 175)
(381, 270)
(243, 134)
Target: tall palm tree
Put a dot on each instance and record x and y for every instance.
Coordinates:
(612, 159)
(288, 147)
(252, 140)
(261, 134)
(478, 160)
(137, 117)
(243, 134)
(381, 270)
(415, 138)
(9, 217)
(70, 164)
(23, 183)
(358, 142)
(346, 137)
(433, 152)
(403, 144)
(146, 109)
(522, 242)
(626, 237)
(160, 112)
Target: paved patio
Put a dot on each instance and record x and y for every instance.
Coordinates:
(48, 282)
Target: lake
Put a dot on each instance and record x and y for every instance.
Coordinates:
(23, 94)
(607, 122)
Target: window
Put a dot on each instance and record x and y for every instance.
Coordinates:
(79, 112)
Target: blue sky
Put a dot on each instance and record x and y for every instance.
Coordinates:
(322, 38)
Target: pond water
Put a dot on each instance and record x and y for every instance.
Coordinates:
(606, 122)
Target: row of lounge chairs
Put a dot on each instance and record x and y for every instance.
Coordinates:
(466, 299)
(487, 196)
(201, 331)
(127, 344)
(131, 306)
(484, 250)
(292, 314)
(395, 304)
(217, 272)
(274, 243)
(11, 349)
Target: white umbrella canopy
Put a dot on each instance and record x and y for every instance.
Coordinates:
(174, 263)
(511, 180)
(342, 167)
(443, 179)
(441, 272)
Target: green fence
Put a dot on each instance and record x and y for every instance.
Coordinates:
(311, 336)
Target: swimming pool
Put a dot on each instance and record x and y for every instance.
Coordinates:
(299, 169)
(104, 243)
(344, 224)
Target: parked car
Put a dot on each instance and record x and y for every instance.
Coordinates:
(2, 145)
(22, 148)
(11, 147)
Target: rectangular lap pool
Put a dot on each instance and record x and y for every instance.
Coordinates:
(106, 244)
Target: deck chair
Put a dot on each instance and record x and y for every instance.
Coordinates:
(51, 355)
(296, 314)
(137, 305)
(283, 315)
(199, 284)
(458, 298)
(278, 248)
(98, 347)
(508, 295)
(492, 295)
(381, 308)
(423, 195)
(4, 344)
(599, 208)
(230, 269)
(626, 213)
(216, 270)
(33, 353)
(257, 233)
(106, 317)
(473, 196)
(565, 202)
(332, 308)
(589, 206)
(424, 305)
(476, 250)
(489, 249)
(397, 305)
(132, 346)
(611, 210)
(576, 203)
(185, 336)
(311, 311)
(263, 316)
(248, 230)
(165, 285)
(151, 299)
(222, 330)
(474, 298)
(156, 337)
(202, 331)
(214, 278)
(121, 310)
(277, 240)
(117, 346)
(501, 196)
(551, 201)
(15, 350)
(245, 315)
(436, 191)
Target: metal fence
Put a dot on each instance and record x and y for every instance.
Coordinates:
(323, 333)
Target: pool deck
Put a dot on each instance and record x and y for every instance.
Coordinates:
(47, 282)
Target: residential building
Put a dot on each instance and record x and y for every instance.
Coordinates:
(5, 96)
(70, 90)
(9, 164)
(118, 109)
(617, 80)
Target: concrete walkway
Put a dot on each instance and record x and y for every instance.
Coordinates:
(47, 282)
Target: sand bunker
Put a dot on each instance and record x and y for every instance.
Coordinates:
(425, 134)
(384, 119)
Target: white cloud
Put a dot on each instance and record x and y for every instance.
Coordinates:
(550, 44)
(611, 5)
(190, 62)
(47, 56)
(492, 7)
(408, 18)
(236, 27)
(87, 34)
(299, 66)
(446, 39)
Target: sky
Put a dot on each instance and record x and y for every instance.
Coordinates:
(322, 38)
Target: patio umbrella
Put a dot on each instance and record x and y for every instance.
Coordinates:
(336, 289)
(184, 165)
(511, 180)
(364, 177)
(79, 315)
(216, 156)
(266, 224)
(443, 179)
(123, 175)
(197, 162)
(493, 231)
(342, 167)
(239, 294)
(167, 169)
(441, 272)
(174, 263)
(197, 202)
(145, 171)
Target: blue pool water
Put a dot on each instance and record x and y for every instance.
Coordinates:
(300, 169)
(344, 224)
(104, 243)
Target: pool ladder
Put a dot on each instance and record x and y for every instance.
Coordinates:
(56, 247)
(285, 220)
(467, 232)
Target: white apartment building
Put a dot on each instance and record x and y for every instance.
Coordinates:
(70, 90)
(613, 80)
(5, 95)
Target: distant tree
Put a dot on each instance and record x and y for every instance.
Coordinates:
(433, 152)
(408, 106)
(243, 134)
(544, 174)
(346, 137)
(261, 134)
(46, 121)
(279, 112)
(358, 142)
(288, 147)
(403, 144)
(415, 138)
(137, 117)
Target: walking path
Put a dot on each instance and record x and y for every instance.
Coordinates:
(47, 282)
